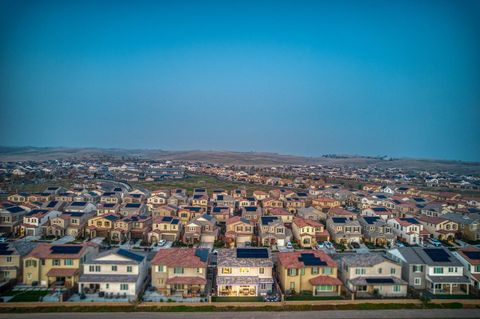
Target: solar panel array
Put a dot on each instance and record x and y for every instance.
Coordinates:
(130, 255)
(4, 251)
(474, 255)
(202, 253)
(251, 208)
(410, 220)
(52, 203)
(437, 255)
(133, 205)
(371, 219)
(309, 259)
(339, 220)
(252, 253)
(78, 204)
(379, 280)
(268, 219)
(65, 249)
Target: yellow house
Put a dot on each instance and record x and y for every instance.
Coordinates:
(313, 271)
(180, 271)
(307, 232)
(200, 200)
(9, 262)
(101, 225)
(58, 265)
(18, 198)
(166, 227)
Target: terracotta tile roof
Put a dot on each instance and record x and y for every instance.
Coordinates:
(62, 272)
(325, 280)
(431, 219)
(467, 249)
(186, 281)
(178, 257)
(43, 251)
(301, 222)
(236, 219)
(290, 259)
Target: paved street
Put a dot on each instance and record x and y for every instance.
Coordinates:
(341, 314)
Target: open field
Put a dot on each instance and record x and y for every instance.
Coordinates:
(32, 187)
(232, 158)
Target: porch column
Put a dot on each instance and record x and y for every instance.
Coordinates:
(451, 287)
(468, 288)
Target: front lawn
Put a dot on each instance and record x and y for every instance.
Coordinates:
(27, 295)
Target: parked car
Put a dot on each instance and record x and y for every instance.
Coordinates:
(289, 245)
(435, 242)
(320, 245)
(355, 245)
(3, 239)
(400, 244)
(162, 243)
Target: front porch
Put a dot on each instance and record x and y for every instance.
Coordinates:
(237, 290)
(449, 288)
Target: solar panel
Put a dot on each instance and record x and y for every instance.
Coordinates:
(309, 259)
(268, 219)
(379, 209)
(4, 250)
(437, 255)
(15, 209)
(167, 218)
(65, 249)
(78, 204)
(130, 255)
(410, 220)
(175, 221)
(371, 220)
(202, 253)
(220, 197)
(252, 253)
(133, 205)
(251, 208)
(379, 281)
(474, 255)
(340, 220)
(52, 203)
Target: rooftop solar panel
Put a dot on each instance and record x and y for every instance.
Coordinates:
(252, 253)
(379, 209)
(130, 255)
(202, 253)
(52, 203)
(175, 221)
(65, 249)
(474, 255)
(268, 219)
(410, 220)
(339, 220)
(167, 218)
(437, 255)
(132, 205)
(251, 208)
(309, 259)
(14, 209)
(78, 204)
(379, 281)
(371, 220)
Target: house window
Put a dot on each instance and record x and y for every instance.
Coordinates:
(324, 288)
(107, 286)
(91, 268)
(227, 271)
(114, 268)
(417, 281)
(438, 270)
(178, 270)
(9, 259)
(160, 268)
(292, 286)
(55, 262)
(327, 270)
(261, 270)
(263, 286)
(123, 286)
(314, 270)
(98, 268)
(380, 270)
(397, 288)
(292, 272)
(199, 270)
(362, 288)
(417, 268)
(244, 270)
(360, 271)
(129, 269)
(393, 271)
(68, 262)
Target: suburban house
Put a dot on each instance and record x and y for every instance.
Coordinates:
(187, 213)
(80, 207)
(18, 198)
(34, 221)
(239, 231)
(252, 213)
(272, 231)
(381, 212)
(10, 263)
(469, 226)
(308, 232)
(111, 197)
(312, 213)
(107, 208)
(470, 259)
(165, 227)
(225, 201)
(11, 217)
(50, 265)
(313, 271)
(325, 203)
(375, 230)
(221, 213)
(439, 227)
(101, 226)
(271, 203)
(293, 204)
(344, 230)
(180, 271)
(282, 213)
(247, 201)
(408, 230)
(53, 205)
(202, 229)
(164, 210)
(260, 195)
(200, 200)
(132, 209)
(435, 270)
(244, 272)
(371, 274)
(116, 272)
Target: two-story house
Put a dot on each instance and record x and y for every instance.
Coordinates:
(371, 274)
(308, 232)
(375, 230)
(252, 213)
(409, 230)
(313, 271)
(244, 272)
(272, 231)
(344, 230)
(57, 265)
(34, 221)
(435, 270)
(166, 227)
(239, 232)
(202, 229)
(11, 217)
(101, 226)
(10, 263)
(180, 271)
(116, 272)
(470, 259)
(441, 228)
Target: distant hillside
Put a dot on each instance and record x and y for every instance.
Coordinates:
(231, 158)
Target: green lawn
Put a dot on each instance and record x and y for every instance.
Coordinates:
(26, 296)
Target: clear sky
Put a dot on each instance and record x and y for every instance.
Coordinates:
(297, 77)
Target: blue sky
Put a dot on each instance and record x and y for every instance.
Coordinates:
(297, 77)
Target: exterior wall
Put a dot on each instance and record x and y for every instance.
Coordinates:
(301, 282)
